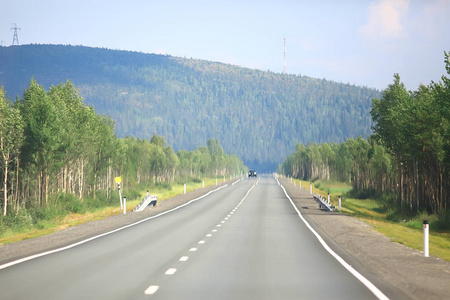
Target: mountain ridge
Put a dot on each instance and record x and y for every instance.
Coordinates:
(257, 115)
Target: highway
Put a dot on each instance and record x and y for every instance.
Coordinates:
(244, 241)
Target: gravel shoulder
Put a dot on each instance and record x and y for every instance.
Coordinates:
(375, 255)
(407, 273)
(71, 235)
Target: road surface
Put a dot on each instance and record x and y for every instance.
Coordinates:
(244, 241)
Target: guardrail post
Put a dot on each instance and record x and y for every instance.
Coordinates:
(426, 228)
(124, 205)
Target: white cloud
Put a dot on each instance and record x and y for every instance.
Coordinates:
(386, 19)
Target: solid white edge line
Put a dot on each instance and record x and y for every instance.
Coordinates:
(379, 294)
(18, 261)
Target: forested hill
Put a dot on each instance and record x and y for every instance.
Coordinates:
(259, 116)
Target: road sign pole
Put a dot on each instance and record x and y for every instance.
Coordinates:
(120, 196)
(118, 180)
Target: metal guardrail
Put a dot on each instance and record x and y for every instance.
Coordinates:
(148, 201)
(323, 203)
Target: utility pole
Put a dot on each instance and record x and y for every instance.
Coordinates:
(284, 58)
(15, 37)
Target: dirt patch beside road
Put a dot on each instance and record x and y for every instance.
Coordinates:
(404, 268)
(71, 235)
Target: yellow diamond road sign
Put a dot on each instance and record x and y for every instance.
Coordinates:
(118, 179)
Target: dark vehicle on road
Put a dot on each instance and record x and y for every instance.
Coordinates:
(251, 173)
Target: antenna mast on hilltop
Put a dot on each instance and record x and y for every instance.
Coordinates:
(284, 58)
(15, 37)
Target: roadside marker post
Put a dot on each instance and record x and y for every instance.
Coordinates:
(426, 229)
(118, 180)
(339, 203)
(185, 188)
(300, 183)
(124, 205)
(328, 198)
(203, 183)
(310, 188)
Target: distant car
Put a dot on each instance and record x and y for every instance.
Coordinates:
(252, 173)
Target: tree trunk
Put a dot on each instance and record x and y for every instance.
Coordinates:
(5, 187)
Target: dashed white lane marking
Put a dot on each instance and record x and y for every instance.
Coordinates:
(151, 289)
(170, 271)
(12, 263)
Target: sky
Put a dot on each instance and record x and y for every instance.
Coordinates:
(361, 42)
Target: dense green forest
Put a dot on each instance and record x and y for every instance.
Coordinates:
(259, 116)
(57, 153)
(408, 157)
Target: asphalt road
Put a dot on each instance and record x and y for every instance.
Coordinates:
(244, 241)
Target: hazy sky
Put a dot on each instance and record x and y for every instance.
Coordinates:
(358, 42)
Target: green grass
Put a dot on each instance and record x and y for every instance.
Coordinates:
(408, 232)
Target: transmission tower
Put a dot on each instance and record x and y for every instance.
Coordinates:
(15, 37)
(284, 58)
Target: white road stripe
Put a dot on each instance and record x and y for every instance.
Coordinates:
(184, 258)
(192, 249)
(201, 242)
(349, 268)
(15, 262)
(151, 290)
(171, 271)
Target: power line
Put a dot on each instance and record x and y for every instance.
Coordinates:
(15, 37)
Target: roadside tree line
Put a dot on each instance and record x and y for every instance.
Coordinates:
(53, 144)
(408, 154)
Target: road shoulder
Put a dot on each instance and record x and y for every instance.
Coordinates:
(402, 267)
(71, 235)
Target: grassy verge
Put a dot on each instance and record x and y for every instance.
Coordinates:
(406, 232)
(57, 223)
